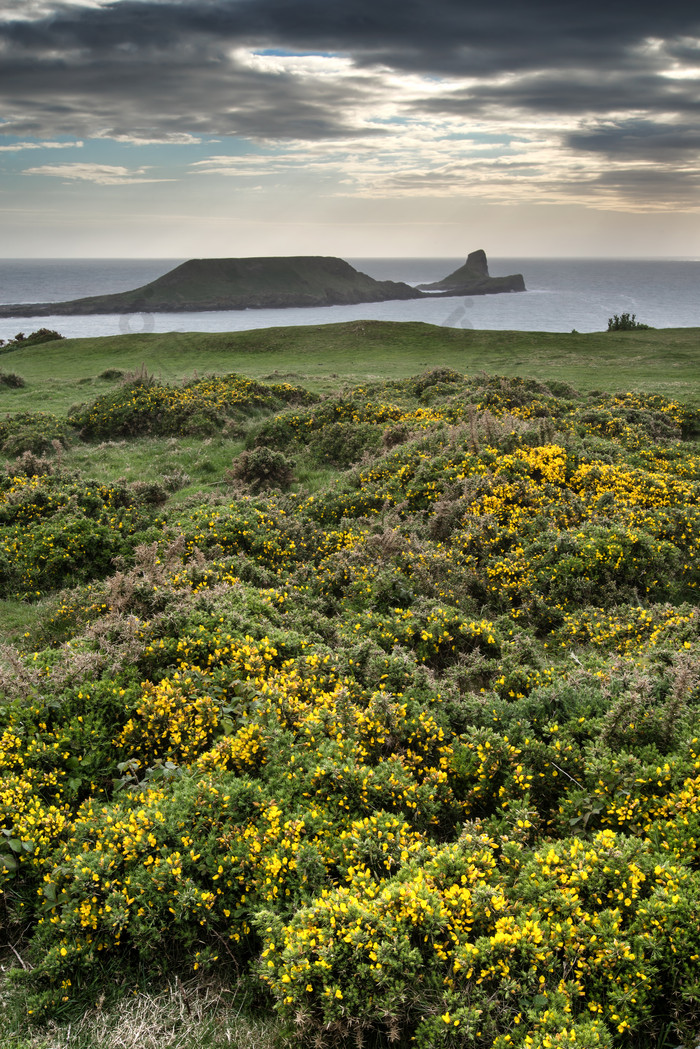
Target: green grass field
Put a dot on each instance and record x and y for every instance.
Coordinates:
(59, 373)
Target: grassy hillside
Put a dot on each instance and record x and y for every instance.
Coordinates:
(350, 709)
(666, 361)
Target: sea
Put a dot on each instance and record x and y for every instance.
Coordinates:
(562, 295)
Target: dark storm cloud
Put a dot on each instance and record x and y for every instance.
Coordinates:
(641, 140)
(462, 36)
(456, 36)
(574, 93)
(664, 186)
(187, 86)
(659, 179)
(168, 65)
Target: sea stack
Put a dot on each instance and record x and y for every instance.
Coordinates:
(473, 279)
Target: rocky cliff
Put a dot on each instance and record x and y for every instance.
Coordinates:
(473, 279)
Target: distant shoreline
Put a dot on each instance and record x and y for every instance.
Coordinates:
(561, 296)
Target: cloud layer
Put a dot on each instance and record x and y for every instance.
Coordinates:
(543, 100)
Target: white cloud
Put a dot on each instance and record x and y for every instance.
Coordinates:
(17, 147)
(101, 174)
(442, 158)
(29, 10)
(149, 138)
(316, 66)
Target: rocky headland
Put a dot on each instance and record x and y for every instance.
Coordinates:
(269, 283)
(235, 284)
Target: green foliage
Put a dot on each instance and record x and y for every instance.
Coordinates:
(12, 380)
(32, 432)
(22, 341)
(200, 407)
(55, 531)
(417, 751)
(261, 468)
(343, 444)
(326, 357)
(626, 322)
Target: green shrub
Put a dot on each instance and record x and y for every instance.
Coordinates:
(11, 380)
(261, 468)
(143, 406)
(55, 531)
(626, 322)
(34, 432)
(419, 747)
(342, 444)
(21, 341)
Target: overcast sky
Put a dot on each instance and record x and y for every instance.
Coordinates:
(179, 128)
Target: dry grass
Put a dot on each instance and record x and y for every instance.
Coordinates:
(192, 1015)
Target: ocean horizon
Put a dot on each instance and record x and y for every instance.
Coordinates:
(563, 294)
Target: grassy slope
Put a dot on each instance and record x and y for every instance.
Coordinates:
(666, 361)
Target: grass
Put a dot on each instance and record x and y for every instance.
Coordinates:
(193, 1015)
(182, 464)
(185, 466)
(18, 618)
(666, 361)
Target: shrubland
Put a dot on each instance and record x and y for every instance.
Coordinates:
(384, 727)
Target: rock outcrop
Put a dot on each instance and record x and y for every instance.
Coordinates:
(473, 279)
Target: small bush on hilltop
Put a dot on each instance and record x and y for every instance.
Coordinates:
(22, 341)
(626, 322)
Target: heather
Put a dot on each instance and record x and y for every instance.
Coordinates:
(386, 720)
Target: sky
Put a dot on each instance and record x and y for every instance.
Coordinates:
(201, 128)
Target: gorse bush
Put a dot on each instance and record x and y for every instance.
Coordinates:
(626, 322)
(32, 432)
(22, 341)
(417, 751)
(12, 380)
(144, 406)
(54, 530)
(261, 468)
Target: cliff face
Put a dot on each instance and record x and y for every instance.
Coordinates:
(473, 279)
(236, 284)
